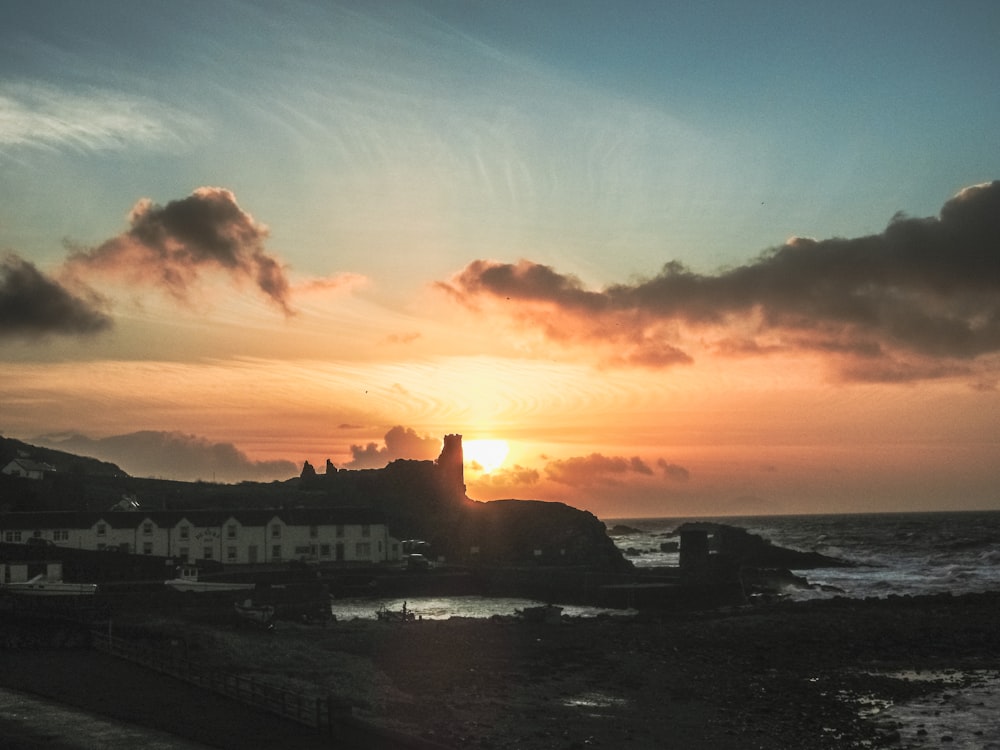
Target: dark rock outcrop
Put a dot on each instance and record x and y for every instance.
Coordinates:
(743, 549)
(535, 533)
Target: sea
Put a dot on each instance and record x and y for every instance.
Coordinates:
(892, 553)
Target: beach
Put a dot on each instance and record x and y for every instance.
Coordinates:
(798, 674)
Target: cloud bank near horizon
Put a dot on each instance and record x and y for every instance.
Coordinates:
(918, 300)
(400, 443)
(174, 455)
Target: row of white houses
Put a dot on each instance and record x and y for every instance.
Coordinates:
(231, 537)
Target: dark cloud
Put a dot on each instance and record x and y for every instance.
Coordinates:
(595, 469)
(174, 455)
(400, 442)
(172, 246)
(673, 471)
(887, 306)
(33, 304)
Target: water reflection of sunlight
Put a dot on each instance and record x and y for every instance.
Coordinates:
(594, 700)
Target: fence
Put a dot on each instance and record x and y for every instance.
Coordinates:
(326, 714)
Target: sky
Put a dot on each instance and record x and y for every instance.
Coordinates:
(648, 259)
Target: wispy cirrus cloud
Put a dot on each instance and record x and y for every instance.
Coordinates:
(37, 115)
(918, 300)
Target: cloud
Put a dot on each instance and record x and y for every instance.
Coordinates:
(512, 477)
(402, 338)
(673, 471)
(595, 469)
(172, 246)
(400, 442)
(341, 282)
(921, 299)
(506, 481)
(43, 116)
(174, 455)
(33, 304)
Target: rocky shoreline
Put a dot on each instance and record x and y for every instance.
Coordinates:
(775, 676)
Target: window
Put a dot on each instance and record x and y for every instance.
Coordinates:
(340, 530)
(185, 554)
(276, 552)
(366, 530)
(147, 529)
(12, 536)
(37, 535)
(61, 535)
(324, 550)
(208, 553)
(313, 532)
(184, 532)
(231, 531)
(276, 531)
(102, 529)
(147, 548)
(231, 554)
(363, 550)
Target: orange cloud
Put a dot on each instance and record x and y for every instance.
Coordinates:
(505, 481)
(400, 442)
(341, 282)
(172, 246)
(595, 469)
(919, 300)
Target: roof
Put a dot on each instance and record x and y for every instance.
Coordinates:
(130, 519)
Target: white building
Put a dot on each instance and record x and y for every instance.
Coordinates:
(27, 469)
(231, 537)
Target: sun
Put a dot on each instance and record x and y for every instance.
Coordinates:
(485, 455)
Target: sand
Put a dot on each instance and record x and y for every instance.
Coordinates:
(782, 676)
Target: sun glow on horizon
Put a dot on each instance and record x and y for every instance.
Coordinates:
(485, 455)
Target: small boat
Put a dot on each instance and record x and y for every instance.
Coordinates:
(42, 585)
(258, 614)
(188, 580)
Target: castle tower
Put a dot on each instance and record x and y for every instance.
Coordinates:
(451, 465)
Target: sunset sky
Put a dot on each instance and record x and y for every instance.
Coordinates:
(683, 258)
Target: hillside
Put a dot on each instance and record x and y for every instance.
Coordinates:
(64, 463)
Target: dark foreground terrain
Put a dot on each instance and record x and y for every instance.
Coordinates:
(781, 676)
